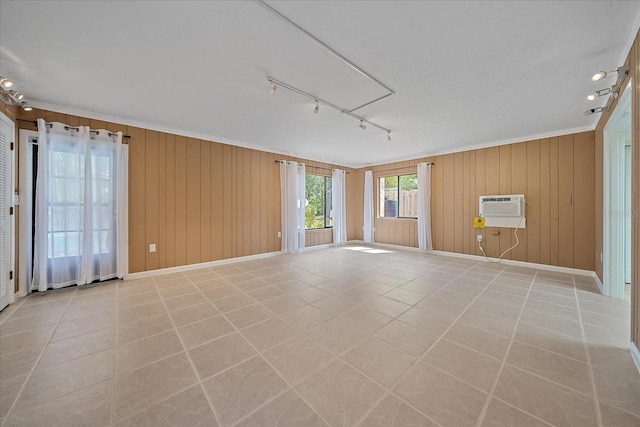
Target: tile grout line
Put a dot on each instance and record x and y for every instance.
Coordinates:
(277, 316)
(260, 354)
(422, 356)
(13, 309)
(193, 366)
(33, 368)
(485, 407)
(585, 345)
(115, 359)
(333, 359)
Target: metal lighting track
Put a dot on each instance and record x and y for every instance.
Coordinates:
(340, 57)
(323, 102)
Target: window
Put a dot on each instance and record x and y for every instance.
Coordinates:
(398, 196)
(318, 204)
(66, 208)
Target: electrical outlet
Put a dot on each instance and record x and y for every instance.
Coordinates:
(152, 247)
(479, 237)
(279, 234)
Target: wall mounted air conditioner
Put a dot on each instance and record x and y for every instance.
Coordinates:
(503, 211)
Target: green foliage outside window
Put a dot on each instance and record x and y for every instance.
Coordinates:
(318, 203)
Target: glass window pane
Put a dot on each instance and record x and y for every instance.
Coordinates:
(314, 207)
(408, 200)
(389, 197)
(58, 247)
(73, 244)
(57, 221)
(73, 217)
(328, 216)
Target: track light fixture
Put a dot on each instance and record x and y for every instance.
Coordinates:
(10, 96)
(596, 110)
(5, 83)
(317, 101)
(600, 75)
(272, 90)
(16, 95)
(598, 93)
(389, 136)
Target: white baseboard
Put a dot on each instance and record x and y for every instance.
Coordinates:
(313, 248)
(387, 245)
(151, 273)
(635, 355)
(481, 258)
(599, 283)
(188, 267)
(180, 268)
(546, 267)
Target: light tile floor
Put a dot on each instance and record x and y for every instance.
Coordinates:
(340, 336)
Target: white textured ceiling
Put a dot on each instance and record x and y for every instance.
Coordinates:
(465, 73)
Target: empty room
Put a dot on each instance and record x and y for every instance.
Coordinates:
(319, 213)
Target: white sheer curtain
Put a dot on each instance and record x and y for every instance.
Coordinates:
(81, 206)
(339, 205)
(424, 207)
(368, 229)
(292, 198)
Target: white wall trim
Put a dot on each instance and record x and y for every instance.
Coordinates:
(213, 138)
(180, 268)
(387, 245)
(635, 355)
(546, 267)
(598, 282)
(314, 247)
(167, 129)
(632, 37)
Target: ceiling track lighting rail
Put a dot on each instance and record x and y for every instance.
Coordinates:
(326, 103)
(335, 53)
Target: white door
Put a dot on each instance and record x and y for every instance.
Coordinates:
(6, 214)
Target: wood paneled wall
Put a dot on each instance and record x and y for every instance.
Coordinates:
(555, 174)
(197, 200)
(318, 237)
(633, 62)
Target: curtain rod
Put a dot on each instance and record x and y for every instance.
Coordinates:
(405, 167)
(66, 127)
(310, 166)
